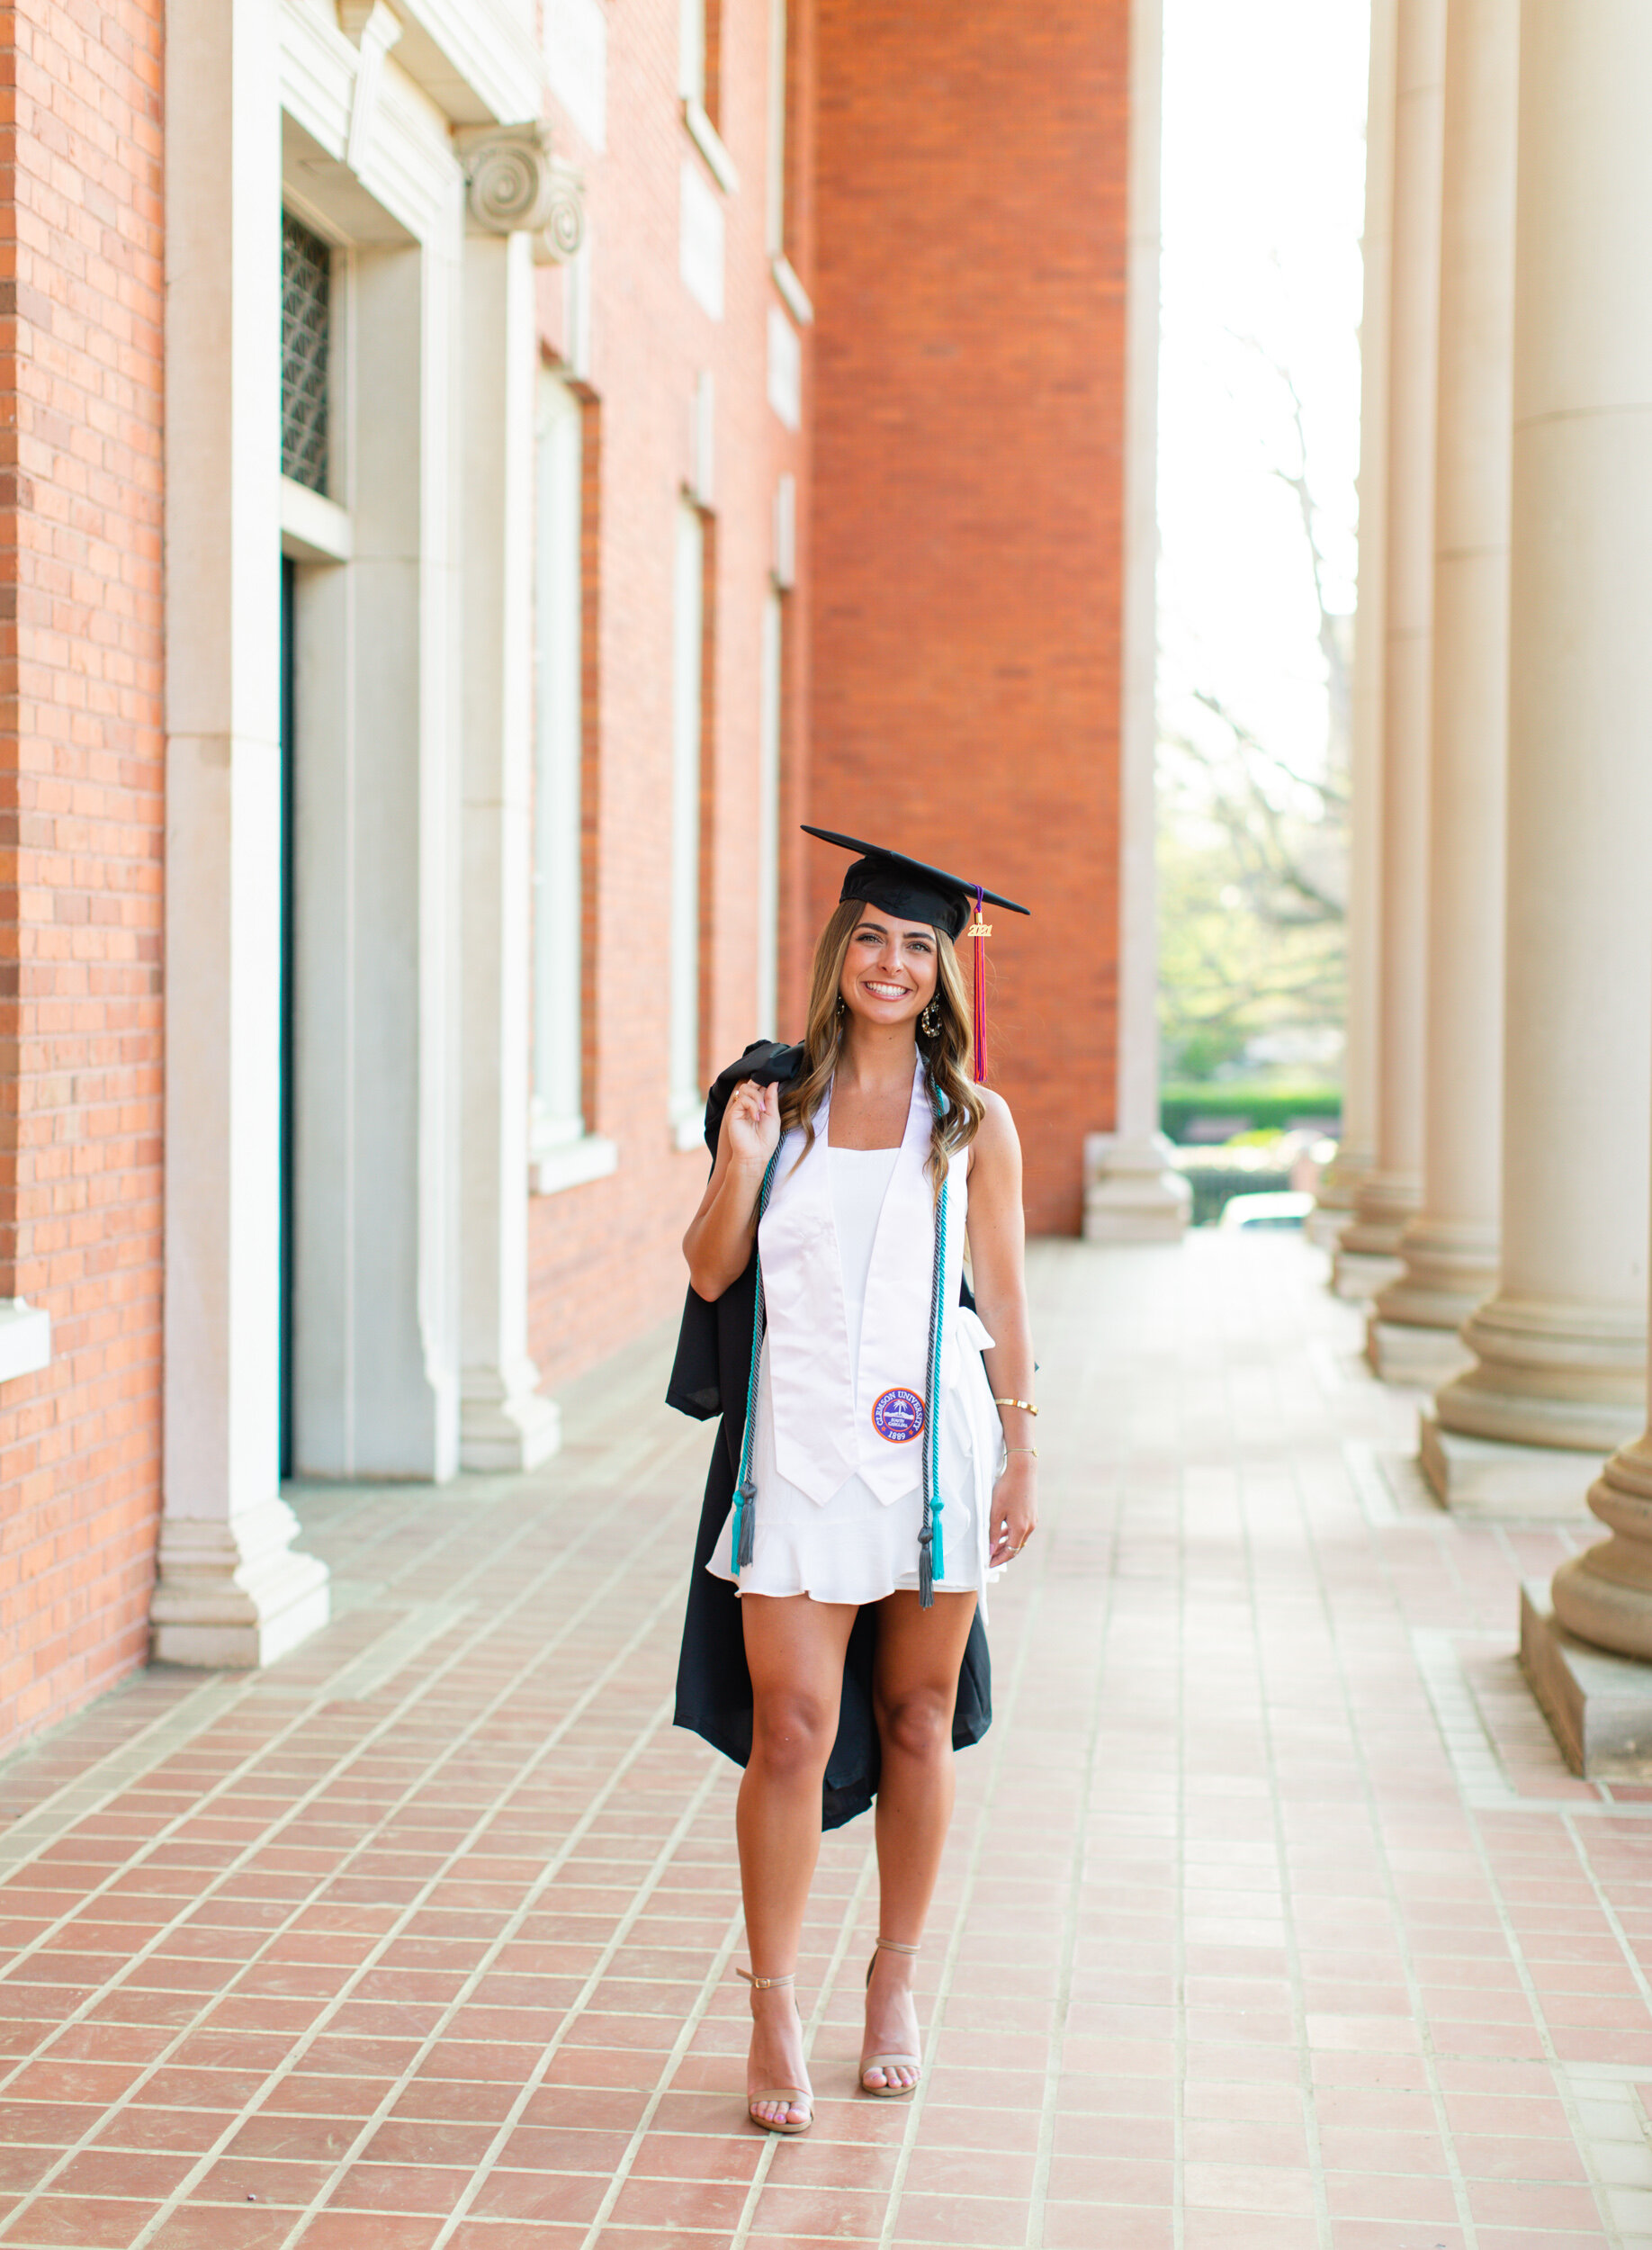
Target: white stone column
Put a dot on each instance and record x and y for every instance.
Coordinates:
(1391, 1194)
(1357, 1146)
(503, 1423)
(229, 1590)
(1131, 1191)
(1560, 1350)
(1450, 1247)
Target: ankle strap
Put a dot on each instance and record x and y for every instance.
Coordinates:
(765, 1983)
(894, 1945)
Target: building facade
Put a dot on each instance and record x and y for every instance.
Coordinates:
(481, 473)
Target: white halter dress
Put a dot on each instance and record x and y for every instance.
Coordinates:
(847, 1246)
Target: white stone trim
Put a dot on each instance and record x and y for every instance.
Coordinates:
(592, 1156)
(709, 141)
(313, 528)
(229, 1588)
(785, 384)
(688, 1128)
(400, 150)
(783, 565)
(701, 245)
(1132, 1191)
(475, 61)
(25, 1337)
(798, 301)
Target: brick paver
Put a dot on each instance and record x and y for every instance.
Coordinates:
(1271, 1916)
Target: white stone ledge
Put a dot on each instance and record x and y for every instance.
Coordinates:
(590, 1157)
(26, 1339)
(708, 140)
(313, 528)
(798, 301)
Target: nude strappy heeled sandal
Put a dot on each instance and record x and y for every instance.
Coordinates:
(887, 2063)
(794, 2097)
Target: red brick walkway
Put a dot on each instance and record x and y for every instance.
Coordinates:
(1271, 1916)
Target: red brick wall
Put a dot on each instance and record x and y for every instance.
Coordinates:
(604, 1259)
(80, 841)
(969, 277)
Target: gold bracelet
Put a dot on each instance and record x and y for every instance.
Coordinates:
(1026, 1405)
(1033, 1450)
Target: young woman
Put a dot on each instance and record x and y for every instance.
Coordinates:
(878, 1462)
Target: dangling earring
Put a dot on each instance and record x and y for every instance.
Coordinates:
(928, 1022)
(839, 1003)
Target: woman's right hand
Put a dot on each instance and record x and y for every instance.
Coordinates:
(752, 1124)
(718, 1243)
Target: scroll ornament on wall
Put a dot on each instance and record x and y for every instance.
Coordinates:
(516, 185)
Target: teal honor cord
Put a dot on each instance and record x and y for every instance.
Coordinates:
(745, 1488)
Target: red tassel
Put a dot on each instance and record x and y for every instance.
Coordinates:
(980, 931)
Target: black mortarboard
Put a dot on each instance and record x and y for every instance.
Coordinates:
(906, 887)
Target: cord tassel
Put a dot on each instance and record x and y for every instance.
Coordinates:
(925, 1574)
(980, 929)
(747, 1528)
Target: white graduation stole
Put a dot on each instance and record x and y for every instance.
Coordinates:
(831, 1420)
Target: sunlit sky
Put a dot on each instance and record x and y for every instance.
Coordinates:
(1263, 191)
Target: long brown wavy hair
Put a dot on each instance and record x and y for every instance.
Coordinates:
(946, 1056)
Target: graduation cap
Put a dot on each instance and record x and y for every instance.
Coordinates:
(913, 888)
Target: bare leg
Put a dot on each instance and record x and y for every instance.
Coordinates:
(915, 1688)
(794, 1652)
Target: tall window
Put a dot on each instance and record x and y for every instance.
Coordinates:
(687, 627)
(559, 1118)
(306, 336)
(768, 821)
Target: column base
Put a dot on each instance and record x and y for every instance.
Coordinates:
(1338, 1192)
(1401, 1352)
(1551, 1375)
(1450, 1269)
(1482, 1477)
(503, 1423)
(1132, 1191)
(1327, 1223)
(1360, 1275)
(1599, 1705)
(233, 1595)
(1387, 1202)
(1604, 1596)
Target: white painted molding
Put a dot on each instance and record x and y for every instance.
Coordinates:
(797, 299)
(575, 40)
(478, 63)
(784, 565)
(313, 528)
(590, 1157)
(25, 1337)
(703, 489)
(784, 369)
(516, 185)
(709, 141)
(688, 1130)
(700, 253)
(372, 29)
(405, 162)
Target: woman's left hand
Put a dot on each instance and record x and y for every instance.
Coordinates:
(1015, 1509)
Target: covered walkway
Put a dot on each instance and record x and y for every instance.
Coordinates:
(1272, 1918)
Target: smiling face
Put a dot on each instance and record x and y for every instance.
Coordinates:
(889, 972)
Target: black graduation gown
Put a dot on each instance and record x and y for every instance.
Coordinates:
(711, 1373)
